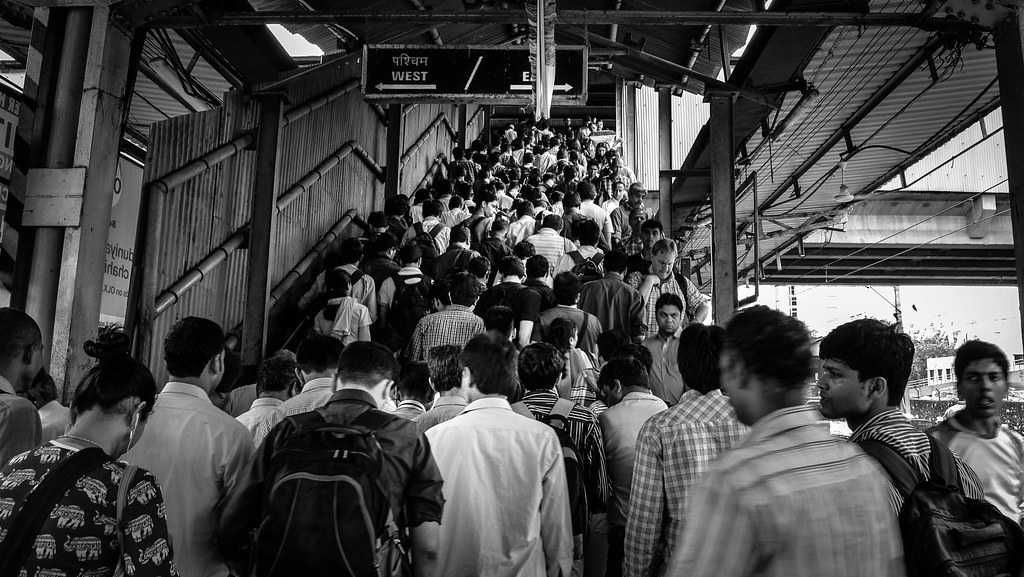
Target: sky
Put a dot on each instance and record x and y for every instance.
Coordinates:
(294, 44)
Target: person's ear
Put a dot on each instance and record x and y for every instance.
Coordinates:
(878, 387)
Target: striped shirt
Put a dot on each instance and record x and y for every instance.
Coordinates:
(674, 449)
(455, 325)
(586, 437)
(364, 291)
(552, 245)
(791, 501)
(313, 395)
(264, 414)
(893, 429)
(690, 295)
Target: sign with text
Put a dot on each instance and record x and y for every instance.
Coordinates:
(10, 105)
(124, 218)
(502, 74)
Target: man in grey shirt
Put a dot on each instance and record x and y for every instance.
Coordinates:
(21, 358)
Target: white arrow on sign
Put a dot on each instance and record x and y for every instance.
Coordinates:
(561, 87)
(382, 86)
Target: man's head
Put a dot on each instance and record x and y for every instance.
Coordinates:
(488, 367)
(385, 245)
(351, 251)
(414, 384)
(566, 287)
(524, 250)
(368, 366)
(432, 208)
(766, 362)
(588, 232)
(276, 376)
(480, 267)
(464, 289)
(499, 228)
(540, 367)
(619, 190)
(570, 201)
(981, 378)
(410, 255)
(616, 261)
(194, 352)
(445, 371)
(552, 221)
(586, 190)
(511, 267)
(593, 169)
(459, 235)
(865, 365)
(638, 352)
(636, 194)
(21, 348)
(537, 266)
(608, 345)
(669, 313)
(651, 231)
(700, 349)
(663, 258)
(619, 377)
(500, 319)
(318, 357)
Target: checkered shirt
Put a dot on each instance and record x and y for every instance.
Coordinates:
(455, 325)
(674, 449)
(691, 296)
(633, 245)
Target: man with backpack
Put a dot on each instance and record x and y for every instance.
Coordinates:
(404, 297)
(495, 247)
(662, 278)
(617, 305)
(585, 261)
(590, 209)
(430, 235)
(540, 368)
(479, 222)
(511, 292)
(336, 491)
(507, 512)
(457, 257)
(567, 294)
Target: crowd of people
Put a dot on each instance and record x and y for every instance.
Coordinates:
(524, 387)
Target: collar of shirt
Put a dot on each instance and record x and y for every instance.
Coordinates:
(6, 387)
(779, 422)
(186, 389)
(541, 395)
(431, 220)
(454, 401)
(489, 403)
(672, 337)
(640, 396)
(407, 270)
(349, 268)
(266, 402)
(412, 403)
(884, 417)
(548, 231)
(318, 384)
(955, 424)
(354, 395)
(455, 307)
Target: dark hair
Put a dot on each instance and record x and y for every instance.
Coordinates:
(566, 287)
(873, 349)
(464, 289)
(116, 376)
(511, 266)
(455, 202)
(498, 225)
(396, 205)
(700, 347)
(318, 353)
(445, 371)
(972, 351)
(366, 363)
(459, 234)
(383, 243)
(588, 231)
(351, 251)
(42, 390)
(432, 208)
(415, 382)
(276, 372)
(628, 371)
(190, 345)
(609, 343)
(492, 363)
(652, 224)
(479, 266)
(571, 200)
(500, 318)
(524, 250)
(410, 253)
(523, 207)
(552, 221)
(377, 219)
(615, 261)
(337, 283)
(586, 190)
(771, 345)
(559, 333)
(638, 352)
(540, 366)
(440, 291)
(19, 335)
(670, 300)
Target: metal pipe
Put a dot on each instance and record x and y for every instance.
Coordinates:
(200, 165)
(369, 161)
(697, 44)
(430, 171)
(320, 101)
(196, 274)
(752, 180)
(314, 176)
(440, 118)
(307, 261)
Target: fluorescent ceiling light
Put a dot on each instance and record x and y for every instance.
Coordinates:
(294, 44)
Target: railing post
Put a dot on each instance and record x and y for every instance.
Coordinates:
(665, 160)
(261, 231)
(393, 174)
(1010, 63)
(463, 118)
(723, 206)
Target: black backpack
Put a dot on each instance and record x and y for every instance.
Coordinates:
(427, 242)
(586, 269)
(945, 533)
(410, 304)
(558, 419)
(325, 513)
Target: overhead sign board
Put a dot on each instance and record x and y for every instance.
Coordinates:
(500, 74)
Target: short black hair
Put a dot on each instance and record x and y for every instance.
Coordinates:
(464, 289)
(537, 266)
(700, 347)
(873, 349)
(540, 366)
(19, 335)
(116, 376)
(975, 350)
(588, 231)
(559, 333)
(383, 243)
(190, 345)
(432, 208)
(771, 345)
(410, 253)
(445, 371)
(492, 363)
(638, 352)
(670, 300)
(276, 372)
(609, 343)
(377, 219)
(652, 224)
(366, 363)
(318, 353)
(628, 371)
(350, 251)
(479, 266)
(500, 318)
(524, 250)
(616, 261)
(566, 287)
(415, 382)
(511, 266)
(459, 234)
(337, 283)
(552, 221)
(587, 190)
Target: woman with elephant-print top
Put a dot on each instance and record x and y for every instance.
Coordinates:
(87, 531)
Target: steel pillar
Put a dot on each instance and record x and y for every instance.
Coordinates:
(261, 230)
(665, 160)
(1010, 63)
(723, 207)
(393, 169)
(461, 129)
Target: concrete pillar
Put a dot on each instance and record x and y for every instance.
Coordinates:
(463, 120)
(665, 160)
(393, 152)
(723, 207)
(1010, 67)
(68, 195)
(261, 230)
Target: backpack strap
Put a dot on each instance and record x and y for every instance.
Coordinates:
(942, 465)
(577, 258)
(583, 327)
(598, 258)
(418, 227)
(435, 231)
(25, 526)
(903, 476)
(121, 503)
(561, 408)
(522, 409)
(682, 281)
(356, 277)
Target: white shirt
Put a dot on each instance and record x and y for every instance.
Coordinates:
(264, 414)
(199, 454)
(55, 419)
(440, 241)
(364, 291)
(314, 395)
(566, 263)
(521, 229)
(602, 217)
(506, 510)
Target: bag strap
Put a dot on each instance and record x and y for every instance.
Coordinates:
(25, 526)
(521, 408)
(122, 502)
(942, 465)
(598, 258)
(561, 408)
(356, 277)
(583, 327)
(577, 258)
(903, 476)
(435, 231)
(682, 281)
(419, 227)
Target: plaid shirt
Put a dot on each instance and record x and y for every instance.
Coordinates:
(893, 429)
(586, 436)
(633, 245)
(455, 325)
(673, 451)
(691, 296)
(790, 501)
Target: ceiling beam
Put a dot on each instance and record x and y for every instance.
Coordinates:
(862, 279)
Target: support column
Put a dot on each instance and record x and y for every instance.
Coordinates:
(261, 230)
(1010, 67)
(488, 111)
(463, 120)
(665, 160)
(723, 207)
(393, 170)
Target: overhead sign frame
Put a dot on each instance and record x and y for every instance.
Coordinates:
(467, 73)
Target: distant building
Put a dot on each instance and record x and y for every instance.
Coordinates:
(940, 370)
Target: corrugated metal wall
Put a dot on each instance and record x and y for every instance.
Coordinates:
(428, 130)
(689, 114)
(646, 155)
